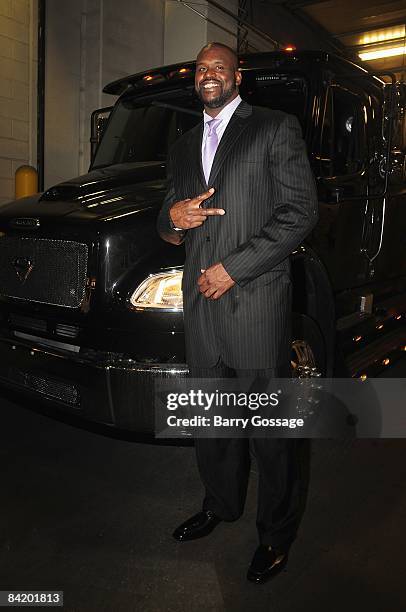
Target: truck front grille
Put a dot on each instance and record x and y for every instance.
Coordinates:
(43, 270)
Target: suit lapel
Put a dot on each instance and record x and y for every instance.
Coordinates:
(235, 127)
(196, 153)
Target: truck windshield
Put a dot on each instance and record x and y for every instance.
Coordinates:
(143, 130)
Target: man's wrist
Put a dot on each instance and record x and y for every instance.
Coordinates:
(173, 226)
(226, 270)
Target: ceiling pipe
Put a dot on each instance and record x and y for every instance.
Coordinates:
(203, 16)
(236, 18)
(245, 23)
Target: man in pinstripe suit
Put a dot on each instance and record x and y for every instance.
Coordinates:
(257, 203)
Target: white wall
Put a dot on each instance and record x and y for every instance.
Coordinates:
(62, 89)
(186, 31)
(92, 42)
(18, 72)
(88, 44)
(218, 34)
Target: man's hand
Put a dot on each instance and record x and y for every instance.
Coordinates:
(187, 214)
(215, 281)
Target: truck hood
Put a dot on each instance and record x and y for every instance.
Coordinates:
(103, 194)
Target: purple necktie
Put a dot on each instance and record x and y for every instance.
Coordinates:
(210, 147)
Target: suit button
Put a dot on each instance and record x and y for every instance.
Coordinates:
(207, 238)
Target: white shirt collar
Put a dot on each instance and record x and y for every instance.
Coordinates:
(227, 112)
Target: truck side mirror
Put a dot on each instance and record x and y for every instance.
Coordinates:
(99, 120)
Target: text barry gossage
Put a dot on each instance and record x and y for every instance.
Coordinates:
(219, 399)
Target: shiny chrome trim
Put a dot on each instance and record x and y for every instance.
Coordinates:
(371, 259)
(47, 343)
(305, 365)
(162, 272)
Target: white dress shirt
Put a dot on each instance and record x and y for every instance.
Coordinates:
(225, 116)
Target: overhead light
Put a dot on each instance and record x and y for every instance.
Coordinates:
(380, 53)
(289, 48)
(382, 35)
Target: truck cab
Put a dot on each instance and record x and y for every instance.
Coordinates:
(90, 296)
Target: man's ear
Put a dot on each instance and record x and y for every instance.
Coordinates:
(238, 76)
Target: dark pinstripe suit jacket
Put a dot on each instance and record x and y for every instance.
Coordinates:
(263, 180)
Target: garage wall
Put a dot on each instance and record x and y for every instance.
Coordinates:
(217, 31)
(181, 22)
(88, 44)
(18, 96)
(92, 42)
(187, 31)
(62, 88)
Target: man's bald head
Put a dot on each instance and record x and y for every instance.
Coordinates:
(225, 48)
(217, 77)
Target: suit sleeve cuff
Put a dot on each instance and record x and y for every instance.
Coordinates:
(229, 268)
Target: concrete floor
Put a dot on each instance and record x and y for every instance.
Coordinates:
(93, 516)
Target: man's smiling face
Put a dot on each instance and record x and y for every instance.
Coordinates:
(217, 78)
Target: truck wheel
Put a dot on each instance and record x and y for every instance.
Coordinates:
(308, 358)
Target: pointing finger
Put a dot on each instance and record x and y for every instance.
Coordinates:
(214, 211)
(204, 196)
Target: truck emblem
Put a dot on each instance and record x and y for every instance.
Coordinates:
(25, 222)
(23, 267)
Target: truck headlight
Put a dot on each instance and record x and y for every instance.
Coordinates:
(162, 290)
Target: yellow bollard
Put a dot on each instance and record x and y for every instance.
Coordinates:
(26, 181)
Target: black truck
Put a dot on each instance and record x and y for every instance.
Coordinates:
(90, 296)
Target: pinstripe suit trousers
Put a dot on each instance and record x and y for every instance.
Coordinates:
(224, 467)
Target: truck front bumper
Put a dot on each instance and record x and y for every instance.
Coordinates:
(105, 389)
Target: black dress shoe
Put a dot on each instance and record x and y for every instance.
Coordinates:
(266, 563)
(198, 526)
